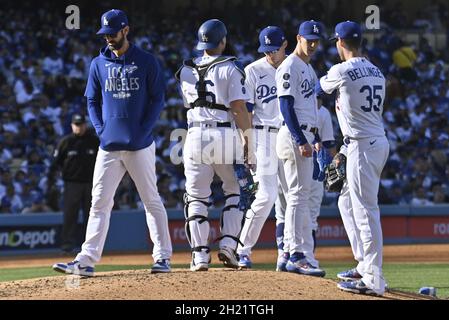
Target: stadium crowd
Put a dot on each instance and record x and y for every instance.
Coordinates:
(44, 66)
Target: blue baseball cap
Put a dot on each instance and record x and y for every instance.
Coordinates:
(210, 34)
(347, 30)
(112, 22)
(271, 38)
(311, 30)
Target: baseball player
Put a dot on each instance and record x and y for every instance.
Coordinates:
(295, 80)
(263, 105)
(326, 133)
(213, 89)
(360, 95)
(125, 94)
(321, 160)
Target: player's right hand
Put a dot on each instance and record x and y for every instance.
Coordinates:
(306, 150)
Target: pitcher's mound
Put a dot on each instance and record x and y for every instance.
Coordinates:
(182, 284)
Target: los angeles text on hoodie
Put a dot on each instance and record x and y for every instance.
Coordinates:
(125, 96)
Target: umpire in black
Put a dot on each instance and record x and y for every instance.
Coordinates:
(75, 156)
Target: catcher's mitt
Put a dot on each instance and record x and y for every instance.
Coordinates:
(336, 174)
(248, 187)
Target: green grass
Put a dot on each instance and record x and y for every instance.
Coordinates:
(405, 276)
(402, 276)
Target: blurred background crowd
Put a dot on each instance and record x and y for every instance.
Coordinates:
(44, 67)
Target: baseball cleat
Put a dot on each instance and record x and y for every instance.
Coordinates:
(228, 257)
(161, 266)
(200, 261)
(245, 262)
(356, 287)
(200, 266)
(305, 268)
(282, 262)
(349, 275)
(75, 268)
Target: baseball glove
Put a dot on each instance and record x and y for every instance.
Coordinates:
(248, 187)
(335, 174)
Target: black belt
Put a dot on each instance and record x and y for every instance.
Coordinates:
(207, 104)
(210, 125)
(270, 129)
(314, 130)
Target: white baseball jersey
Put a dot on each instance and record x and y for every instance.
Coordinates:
(325, 128)
(296, 78)
(261, 85)
(224, 82)
(361, 94)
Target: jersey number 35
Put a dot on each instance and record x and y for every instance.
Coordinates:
(372, 94)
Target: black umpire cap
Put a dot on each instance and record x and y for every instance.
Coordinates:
(78, 119)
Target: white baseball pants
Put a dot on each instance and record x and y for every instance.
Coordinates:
(110, 167)
(359, 208)
(315, 199)
(208, 151)
(298, 174)
(266, 175)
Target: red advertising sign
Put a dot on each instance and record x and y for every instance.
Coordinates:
(393, 228)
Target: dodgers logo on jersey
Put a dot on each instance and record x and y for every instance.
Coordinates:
(308, 88)
(131, 69)
(265, 93)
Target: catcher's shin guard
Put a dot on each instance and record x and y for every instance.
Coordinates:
(197, 224)
(231, 222)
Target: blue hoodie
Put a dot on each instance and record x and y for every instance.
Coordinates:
(124, 106)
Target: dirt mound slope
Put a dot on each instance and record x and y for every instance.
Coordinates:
(182, 284)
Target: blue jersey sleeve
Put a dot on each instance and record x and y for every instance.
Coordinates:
(93, 95)
(288, 112)
(318, 90)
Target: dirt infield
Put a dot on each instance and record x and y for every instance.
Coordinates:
(217, 284)
(182, 284)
